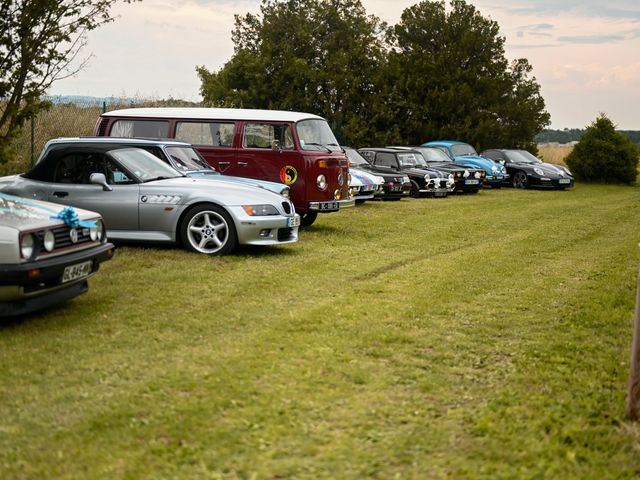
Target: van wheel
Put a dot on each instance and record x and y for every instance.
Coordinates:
(208, 229)
(307, 219)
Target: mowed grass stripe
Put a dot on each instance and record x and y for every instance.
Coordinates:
(362, 351)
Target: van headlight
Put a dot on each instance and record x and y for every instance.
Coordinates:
(260, 210)
(321, 182)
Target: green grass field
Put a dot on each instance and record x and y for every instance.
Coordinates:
(480, 337)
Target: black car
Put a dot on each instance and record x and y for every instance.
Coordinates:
(467, 179)
(425, 180)
(526, 170)
(396, 184)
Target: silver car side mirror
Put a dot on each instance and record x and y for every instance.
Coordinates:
(100, 179)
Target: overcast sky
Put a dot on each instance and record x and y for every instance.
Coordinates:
(585, 54)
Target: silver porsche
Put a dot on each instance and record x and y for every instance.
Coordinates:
(143, 199)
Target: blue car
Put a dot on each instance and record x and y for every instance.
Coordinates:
(464, 154)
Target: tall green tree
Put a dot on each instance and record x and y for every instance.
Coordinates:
(40, 41)
(449, 75)
(604, 155)
(320, 56)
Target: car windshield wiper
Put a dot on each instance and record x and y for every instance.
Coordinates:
(317, 145)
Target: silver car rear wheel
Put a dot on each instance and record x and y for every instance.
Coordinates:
(208, 229)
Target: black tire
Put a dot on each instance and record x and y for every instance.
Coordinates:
(307, 219)
(208, 229)
(519, 179)
(415, 190)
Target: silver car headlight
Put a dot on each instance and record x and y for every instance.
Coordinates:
(321, 182)
(49, 241)
(538, 171)
(260, 210)
(27, 246)
(286, 192)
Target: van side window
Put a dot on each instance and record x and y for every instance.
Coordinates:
(140, 128)
(205, 133)
(262, 135)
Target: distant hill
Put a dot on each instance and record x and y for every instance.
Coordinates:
(574, 134)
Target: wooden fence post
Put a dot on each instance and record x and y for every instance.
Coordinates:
(633, 400)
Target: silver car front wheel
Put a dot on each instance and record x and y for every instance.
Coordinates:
(208, 229)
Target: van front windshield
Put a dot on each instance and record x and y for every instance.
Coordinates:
(315, 134)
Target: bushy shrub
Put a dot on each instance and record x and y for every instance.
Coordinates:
(604, 155)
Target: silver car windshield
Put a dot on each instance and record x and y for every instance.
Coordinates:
(144, 165)
(463, 149)
(185, 159)
(315, 134)
(435, 155)
(355, 158)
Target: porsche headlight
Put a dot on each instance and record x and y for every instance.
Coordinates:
(260, 210)
(27, 246)
(567, 170)
(321, 182)
(49, 241)
(538, 171)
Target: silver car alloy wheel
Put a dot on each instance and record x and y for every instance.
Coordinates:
(208, 231)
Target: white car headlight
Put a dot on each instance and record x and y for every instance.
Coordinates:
(260, 210)
(286, 192)
(49, 241)
(426, 177)
(538, 171)
(380, 180)
(27, 246)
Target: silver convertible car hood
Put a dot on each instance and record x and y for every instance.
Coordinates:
(230, 192)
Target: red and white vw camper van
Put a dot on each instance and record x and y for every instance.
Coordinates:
(295, 148)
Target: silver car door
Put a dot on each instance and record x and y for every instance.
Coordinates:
(118, 207)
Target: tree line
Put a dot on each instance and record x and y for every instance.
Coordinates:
(440, 72)
(575, 134)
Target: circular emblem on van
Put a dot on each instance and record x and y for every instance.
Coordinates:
(288, 175)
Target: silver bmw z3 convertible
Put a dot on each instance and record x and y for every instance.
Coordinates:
(143, 199)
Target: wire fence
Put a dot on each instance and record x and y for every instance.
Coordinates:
(69, 117)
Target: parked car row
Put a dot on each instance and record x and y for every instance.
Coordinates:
(210, 180)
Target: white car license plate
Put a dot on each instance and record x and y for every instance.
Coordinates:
(564, 180)
(328, 206)
(293, 221)
(471, 182)
(73, 272)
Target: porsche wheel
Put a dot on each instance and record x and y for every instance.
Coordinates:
(208, 229)
(307, 219)
(520, 180)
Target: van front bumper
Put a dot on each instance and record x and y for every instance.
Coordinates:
(332, 206)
